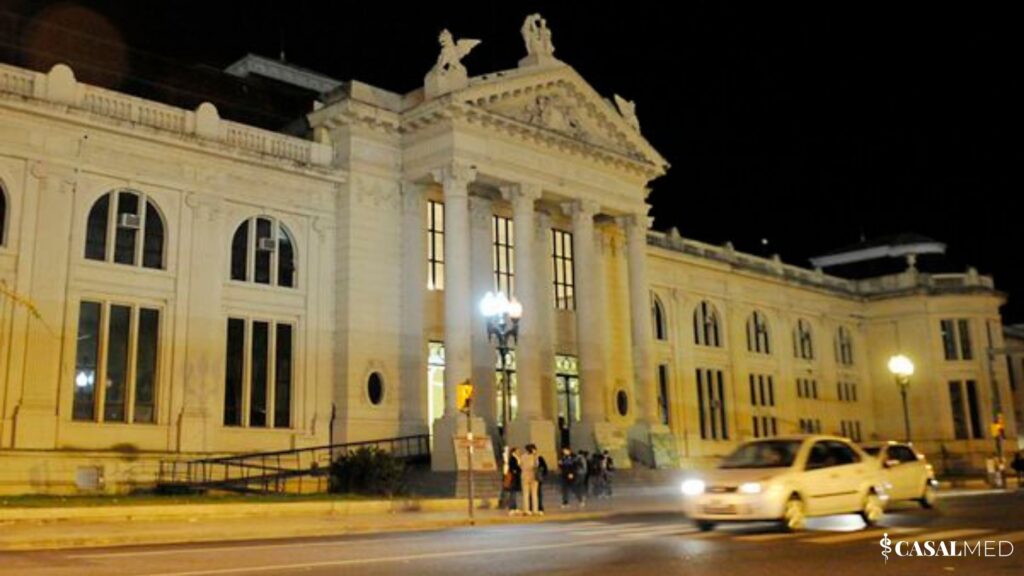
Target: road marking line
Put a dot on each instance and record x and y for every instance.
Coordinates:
(951, 534)
(390, 559)
(859, 535)
(769, 537)
(654, 533)
(612, 529)
(167, 551)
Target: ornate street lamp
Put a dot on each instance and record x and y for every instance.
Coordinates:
(502, 317)
(902, 369)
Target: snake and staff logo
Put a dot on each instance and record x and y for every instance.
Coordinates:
(945, 548)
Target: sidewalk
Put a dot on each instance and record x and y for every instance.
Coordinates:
(52, 528)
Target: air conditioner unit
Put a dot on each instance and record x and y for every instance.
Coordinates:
(266, 245)
(127, 220)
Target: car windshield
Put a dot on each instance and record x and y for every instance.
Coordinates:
(765, 454)
(873, 450)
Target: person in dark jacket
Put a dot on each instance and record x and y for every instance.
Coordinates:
(513, 481)
(542, 475)
(567, 471)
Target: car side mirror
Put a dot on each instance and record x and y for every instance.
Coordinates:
(891, 463)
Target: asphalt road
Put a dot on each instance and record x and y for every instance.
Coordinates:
(660, 544)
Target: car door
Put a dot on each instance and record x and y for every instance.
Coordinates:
(850, 473)
(905, 472)
(820, 480)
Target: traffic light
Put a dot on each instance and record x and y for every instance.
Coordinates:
(464, 398)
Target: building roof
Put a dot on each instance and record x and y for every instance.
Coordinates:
(894, 246)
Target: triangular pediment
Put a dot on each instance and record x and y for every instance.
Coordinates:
(557, 101)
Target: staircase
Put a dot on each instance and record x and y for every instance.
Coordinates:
(302, 470)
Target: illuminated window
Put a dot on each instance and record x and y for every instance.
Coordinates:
(259, 374)
(263, 252)
(561, 257)
(758, 340)
(116, 362)
(435, 245)
(125, 227)
(803, 340)
(706, 329)
(504, 256)
(505, 390)
(435, 381)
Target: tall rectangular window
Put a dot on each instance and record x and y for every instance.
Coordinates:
(117, 351)
(567, 388)
(974, 407)
(564, 278)
(87, 360)
(145, 375)
(956, 405)
(283, 377)
(435, 381)
(663, 404)
(503, 239)
(956, 339)
(964, 329)
(259, 379)
(711, 401)
(435, 245)
(506, 391)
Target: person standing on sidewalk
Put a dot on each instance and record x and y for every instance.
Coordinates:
(567, 470)
(1018, 466)
(512, 481)
(581, 475)
(529, 471)
(542, 469)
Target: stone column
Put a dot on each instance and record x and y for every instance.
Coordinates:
(458, 308)
(528, 426)
(414, 398)
(645, 387)
(590, 324)
(35, 417)
(481, 213)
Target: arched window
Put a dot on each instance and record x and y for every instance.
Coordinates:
(3, 215)
(758, 339)
(262, 251)
(706, 330)
(803, 341)
(658, 316)
(125, 227)
(844, 346)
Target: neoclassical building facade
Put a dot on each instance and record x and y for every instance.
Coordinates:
(177, 285)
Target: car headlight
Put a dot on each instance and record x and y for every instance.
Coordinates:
(751, 488)
(693, 487)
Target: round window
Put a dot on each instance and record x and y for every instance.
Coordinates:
(622, 402)
(375, 388)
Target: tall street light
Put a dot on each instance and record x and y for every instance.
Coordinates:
(902, 369)
(502, 317)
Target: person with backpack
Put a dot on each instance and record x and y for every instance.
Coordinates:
(567, 472)
(581, 472)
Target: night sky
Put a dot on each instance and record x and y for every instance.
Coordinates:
(806, 125)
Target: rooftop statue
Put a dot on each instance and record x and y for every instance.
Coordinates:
(627, 108)
(448, 73)
(537, 37)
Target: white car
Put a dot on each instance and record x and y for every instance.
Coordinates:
(788, 479)
(907, 473)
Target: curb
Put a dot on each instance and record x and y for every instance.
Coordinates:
(141, 539)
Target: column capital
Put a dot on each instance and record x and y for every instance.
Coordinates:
(455, 176)
(521, 192)
(581, 208)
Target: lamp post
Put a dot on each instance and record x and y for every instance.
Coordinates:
(502, 317)
(902, 369)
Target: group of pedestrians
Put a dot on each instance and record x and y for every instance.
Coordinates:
(582, 474)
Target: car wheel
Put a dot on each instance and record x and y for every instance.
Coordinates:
(794, 515)
(705, 526)
(873, 509)
(928, 497)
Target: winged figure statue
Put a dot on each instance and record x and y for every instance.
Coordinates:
(452, 53)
